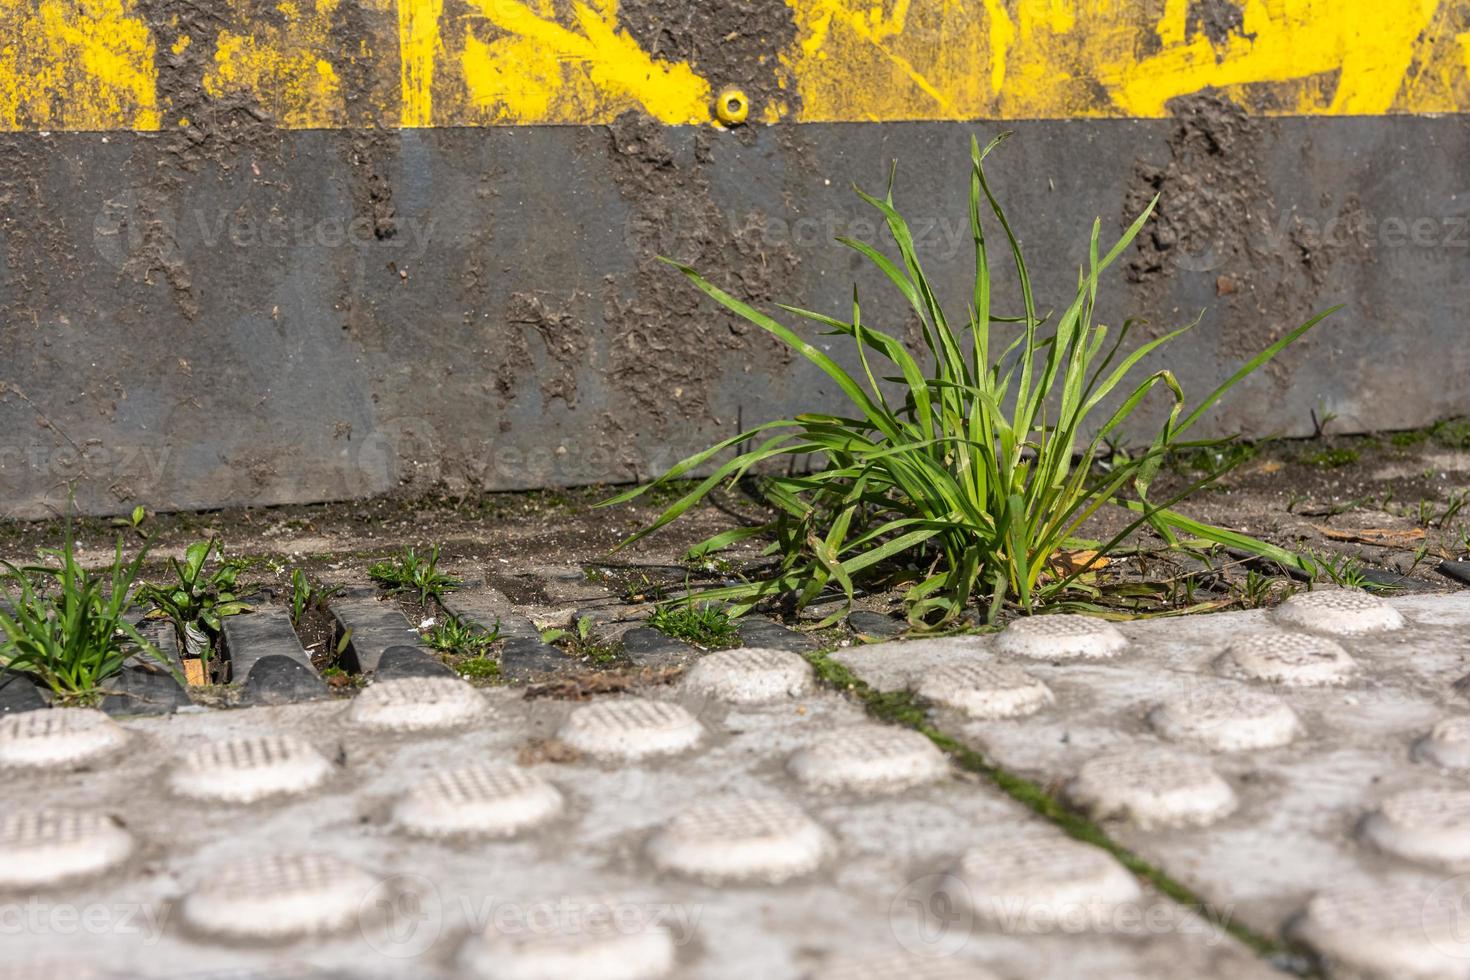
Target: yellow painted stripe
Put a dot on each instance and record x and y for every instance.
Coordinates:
(95, 64)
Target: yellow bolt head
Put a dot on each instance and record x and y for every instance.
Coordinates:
(732, 107)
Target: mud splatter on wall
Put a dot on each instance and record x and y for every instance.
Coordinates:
(89, 64)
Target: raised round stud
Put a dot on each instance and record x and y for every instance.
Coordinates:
(1289, 659)
(1152, 787)
(591, 939)
(249, 768)
(1063, 636)
(1343, 612)
(1227, 719)
(751, 675)
(415, 704)
(631, 729)
(57, 737)
(1031, 880)
(1428, 826)
(898, 965)
(1410, 928)
(987, 691)
(48, 847)
(279, 896)
(868, 759)
(485, 801)
(1447, 745)
(736, 839)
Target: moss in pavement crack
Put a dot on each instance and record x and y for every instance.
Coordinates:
(905, 708)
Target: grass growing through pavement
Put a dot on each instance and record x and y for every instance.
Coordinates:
(905, 708)
(308, 596)
(471, 644)
(964, 476)
(200, 597)
(71, 628)
(461, 637)
(409, 571)
(702, 625)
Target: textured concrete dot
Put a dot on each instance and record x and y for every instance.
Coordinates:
(47, 847)
(898, 965)
(1429, 826)
(1291, 659)
(1152, 787)
(58, 737)
(1033, 879)
(413, 704)
(752, 675)
(1063, 636)
(488, 801)
(741, 840)
(587, 939)
(1392, 929)
(1345, 612)
(1227, 719)
(249, 768)
(987, 691)
(1447, 744)
(631, 729)
(868, 759)
(279, 896)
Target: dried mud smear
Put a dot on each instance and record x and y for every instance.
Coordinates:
(1217, 216)
(668, 343)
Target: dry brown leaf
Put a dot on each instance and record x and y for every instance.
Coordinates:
(1380, 536)
(1067, 562)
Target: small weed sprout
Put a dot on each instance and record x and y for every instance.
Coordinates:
(1342, 570)
(1258, 590)
(69, 628)
(701, 624)
(462, 637)
(579, 642)
(200, 597)
(307, 596)
(974, 462)
(410, 572)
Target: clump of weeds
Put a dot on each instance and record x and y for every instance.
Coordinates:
(701, 624)
(410, 572)
(70, 628)
(977, 462)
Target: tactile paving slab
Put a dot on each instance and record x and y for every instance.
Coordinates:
(331, 877)
(1344, 745)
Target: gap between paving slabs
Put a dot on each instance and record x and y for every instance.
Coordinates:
(907, 709)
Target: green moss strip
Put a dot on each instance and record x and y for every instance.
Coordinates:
(904, 708)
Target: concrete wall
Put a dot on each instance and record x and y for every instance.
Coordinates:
(259, 253)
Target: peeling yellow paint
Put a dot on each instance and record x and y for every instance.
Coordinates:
(90, 64)
(418, 46)
(284, 68)
(526, 65)
(75, 65)
(1055, 59)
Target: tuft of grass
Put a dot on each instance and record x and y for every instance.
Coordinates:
(1343, 570)
(70, 628)
(409, 571)
(700, 624)
(976, 466)
(307, 596)
(461, 637)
